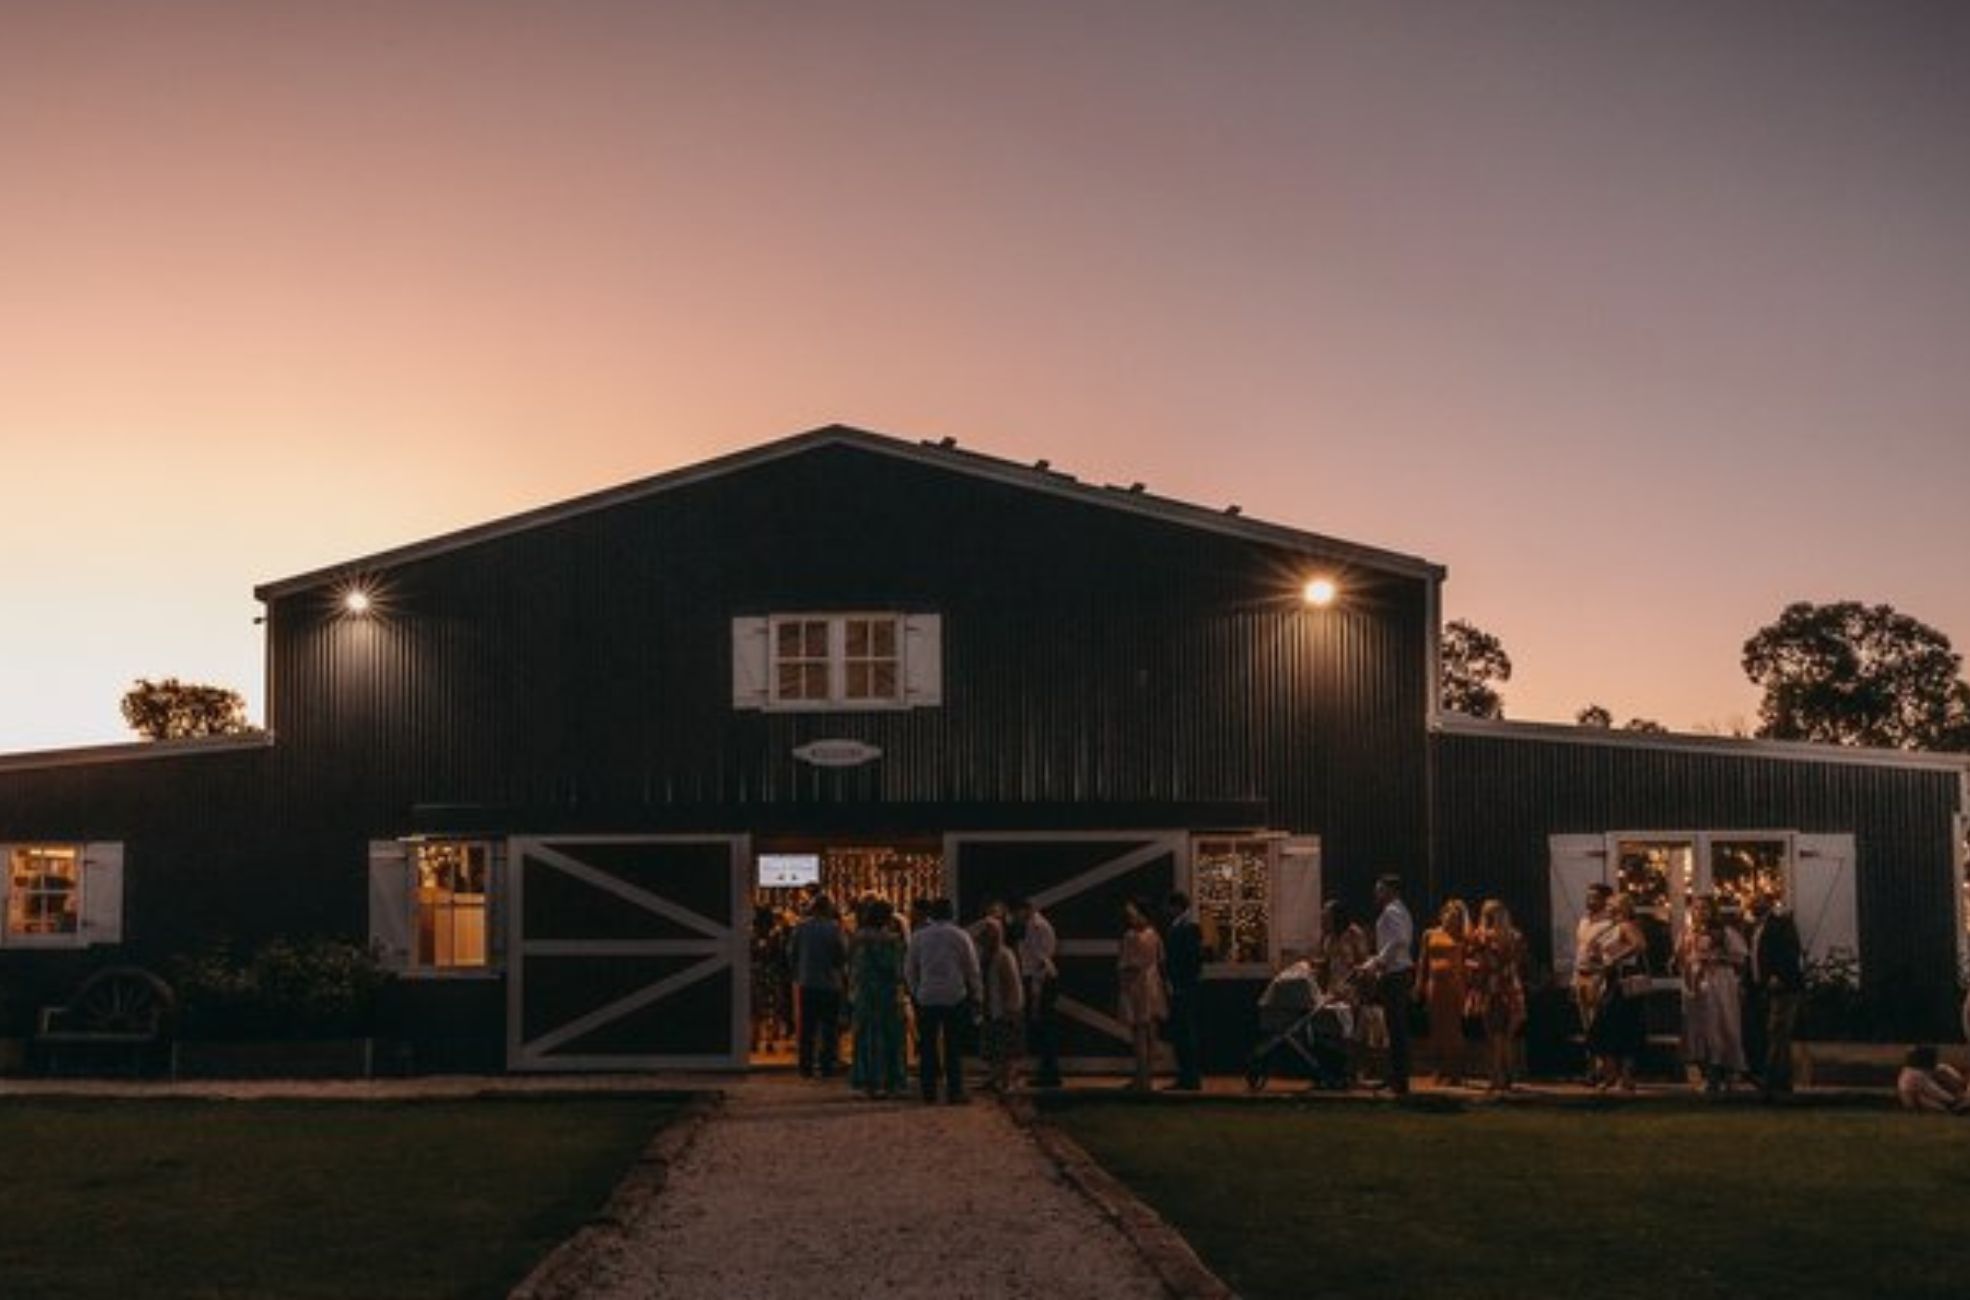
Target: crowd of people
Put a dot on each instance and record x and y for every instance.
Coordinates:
(992, 988)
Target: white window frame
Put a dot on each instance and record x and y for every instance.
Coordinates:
(76, 938)
(838, 699)
(1278, 845)
(413, 888)
(1700, 845)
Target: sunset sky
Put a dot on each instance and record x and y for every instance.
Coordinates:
(1644, 318)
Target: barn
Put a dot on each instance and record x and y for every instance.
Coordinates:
(554, 767)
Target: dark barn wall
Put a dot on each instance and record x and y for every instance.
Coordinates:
(198, 863)
(1498, 798)
(581, 670)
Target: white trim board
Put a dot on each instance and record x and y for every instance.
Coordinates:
(938, 455)
(1457, 724)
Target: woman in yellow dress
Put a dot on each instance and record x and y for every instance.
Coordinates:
(1441, 988)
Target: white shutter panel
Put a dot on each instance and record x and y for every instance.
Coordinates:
(1577, 861)
(389, 903)
(752, 663)
(102, 893)
(923, 659)
(1823, 896)
(1296, 900)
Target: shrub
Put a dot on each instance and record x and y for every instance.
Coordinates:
(308, 988)
(1833, 1007)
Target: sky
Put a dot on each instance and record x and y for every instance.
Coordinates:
(1645, 319)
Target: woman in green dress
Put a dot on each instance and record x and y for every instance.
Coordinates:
(875, 980)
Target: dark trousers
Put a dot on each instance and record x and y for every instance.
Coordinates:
(1392, 991)
(1773, 1013)
(1182, 1033)
(820, 1030)
(1043, 1032)
(940, 1048)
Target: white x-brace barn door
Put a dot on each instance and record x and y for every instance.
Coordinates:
(627, 952)
(1078, 880)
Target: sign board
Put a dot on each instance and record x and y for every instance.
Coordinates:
(789, 870)
(837, 753)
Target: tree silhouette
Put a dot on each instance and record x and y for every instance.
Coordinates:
(1472, 659)
(175, 710)
(1854, 674)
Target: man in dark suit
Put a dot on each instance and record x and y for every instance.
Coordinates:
(1777, 983)
(1183, 956)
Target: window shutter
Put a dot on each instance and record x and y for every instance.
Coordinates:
(102, 893)
(389, 903)
(1577, 861)
(1296, 899)
(1823, 896)
(923, 659)
(752, 663)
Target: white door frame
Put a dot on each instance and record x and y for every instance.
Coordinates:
(721, 947)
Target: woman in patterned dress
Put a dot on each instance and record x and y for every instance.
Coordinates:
(1497, 987)
(1440, 987)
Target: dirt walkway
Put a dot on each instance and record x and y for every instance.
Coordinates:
(796, 1189)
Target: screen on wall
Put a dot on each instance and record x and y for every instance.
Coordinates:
(789, 870)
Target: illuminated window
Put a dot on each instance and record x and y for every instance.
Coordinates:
(837, 660)
(1230, 887)
(1740, 868)
(44, 891)
(450, 920)
(1658, 877)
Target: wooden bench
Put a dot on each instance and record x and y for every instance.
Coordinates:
(120, 1009)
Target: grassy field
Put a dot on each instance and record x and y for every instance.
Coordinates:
(279, 1200)
(1641, 1201)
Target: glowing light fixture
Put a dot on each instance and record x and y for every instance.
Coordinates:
(356, 601)
(1319, 592)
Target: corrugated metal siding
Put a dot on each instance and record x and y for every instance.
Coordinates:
(1089, 657)
(1498, 799)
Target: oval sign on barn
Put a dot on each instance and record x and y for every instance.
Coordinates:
(837, 753)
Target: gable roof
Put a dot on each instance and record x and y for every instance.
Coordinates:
(944, 455)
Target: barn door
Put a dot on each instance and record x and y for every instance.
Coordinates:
(1079, 880)
(627, 952)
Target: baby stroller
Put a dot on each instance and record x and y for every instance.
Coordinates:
(1299, 1022)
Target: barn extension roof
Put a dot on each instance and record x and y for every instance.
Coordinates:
(944, 455)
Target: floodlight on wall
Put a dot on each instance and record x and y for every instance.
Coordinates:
(1319, 592)
(356, 599)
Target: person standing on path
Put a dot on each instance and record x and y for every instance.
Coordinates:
(875, 969)
(1185, 958)
(1592, 934)
(941, 970)
(1143, 1001)
(1037, 945)
(1005, 1001)
(1441, 979)
(1392, 971)
(818, 952)
(1777, 984)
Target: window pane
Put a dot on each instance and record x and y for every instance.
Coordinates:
(858, 638)
(884, 638)
(450, 928)
(1233, 907)
(814, 682)
(1741, 868)
(858, 681)
(1656, 877)
(787, 641)
(815, 640)
(884, 685)
(788, 685)
(44, 890)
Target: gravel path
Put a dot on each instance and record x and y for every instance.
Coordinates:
(798, 1190)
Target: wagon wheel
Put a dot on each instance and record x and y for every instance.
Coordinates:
(123, 999)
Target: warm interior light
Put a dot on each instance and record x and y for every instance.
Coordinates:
(356, 602)
(1320, 592)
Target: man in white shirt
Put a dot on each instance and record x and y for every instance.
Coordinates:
(1037, 946)
(941, 972)
(1392, 971)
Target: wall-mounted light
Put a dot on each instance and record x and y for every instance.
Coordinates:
(356, 602)
(1319, 592)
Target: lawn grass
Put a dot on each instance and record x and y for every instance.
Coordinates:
(1641, 1201)
(278, 1200)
